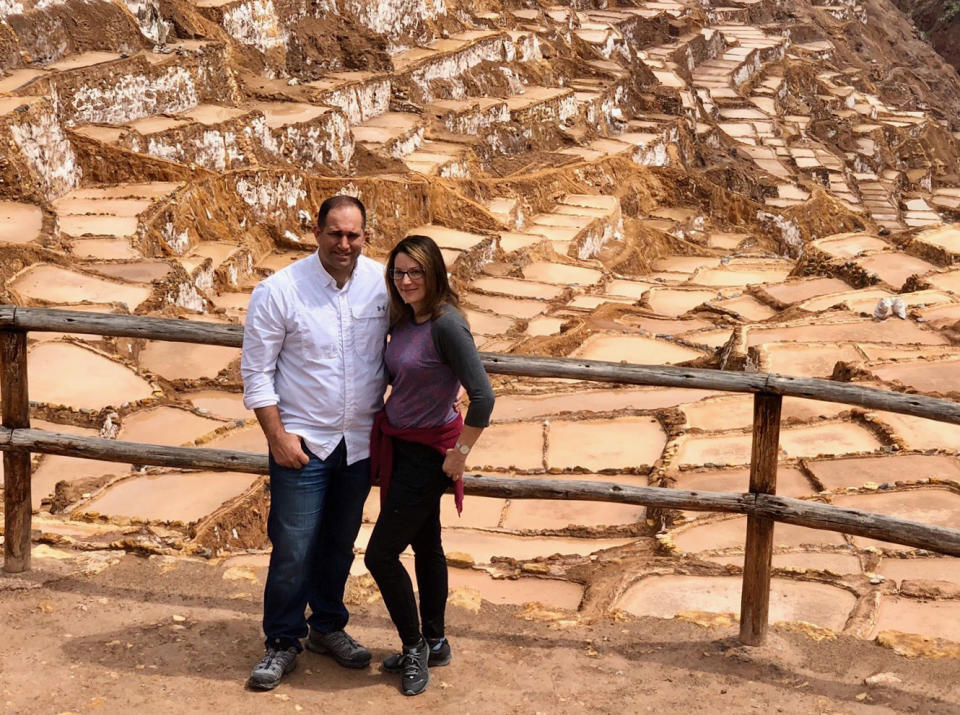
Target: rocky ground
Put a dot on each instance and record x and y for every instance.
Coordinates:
(113, 633)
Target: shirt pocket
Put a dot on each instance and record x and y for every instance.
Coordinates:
(369, 329)
(317, 333)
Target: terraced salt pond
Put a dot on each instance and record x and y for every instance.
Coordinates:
(665, 596)
(58, 285)
(688, 309)
(19, 223)
(67, 374)
(170, 497)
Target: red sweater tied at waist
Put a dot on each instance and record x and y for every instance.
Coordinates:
(381, 449)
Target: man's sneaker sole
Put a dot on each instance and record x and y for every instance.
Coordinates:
(270, 685)
(323, 650)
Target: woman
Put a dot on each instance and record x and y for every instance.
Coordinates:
(420, 443)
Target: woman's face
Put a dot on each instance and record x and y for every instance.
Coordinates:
(410, 280)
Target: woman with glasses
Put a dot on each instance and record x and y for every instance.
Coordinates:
(419, 446)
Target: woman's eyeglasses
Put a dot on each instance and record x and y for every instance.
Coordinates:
(414, 274)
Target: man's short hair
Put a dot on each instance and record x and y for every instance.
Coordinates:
(336, 202)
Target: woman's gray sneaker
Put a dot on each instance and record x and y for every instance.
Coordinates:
(416, 670)
(341, 647)
(439, 655)
(272, 667)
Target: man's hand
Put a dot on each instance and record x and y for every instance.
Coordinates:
(284, 447)
(287, 452)
(454, 464)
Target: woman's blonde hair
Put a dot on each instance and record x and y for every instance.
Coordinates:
(439, 292)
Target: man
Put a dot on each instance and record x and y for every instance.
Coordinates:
(313, 373)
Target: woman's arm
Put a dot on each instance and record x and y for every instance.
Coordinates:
(457, 348)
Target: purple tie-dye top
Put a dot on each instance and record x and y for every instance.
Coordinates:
(423, 387)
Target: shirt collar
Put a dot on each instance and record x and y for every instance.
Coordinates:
(329, 281)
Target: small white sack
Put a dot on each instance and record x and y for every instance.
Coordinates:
(899, 309)
(882, 309)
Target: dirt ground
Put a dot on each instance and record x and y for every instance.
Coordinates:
(117, 633)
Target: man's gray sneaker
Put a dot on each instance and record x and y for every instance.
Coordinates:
(341, 647)
(439, 655)
(276, 663)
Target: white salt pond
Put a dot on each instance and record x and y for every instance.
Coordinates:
(45, 282)
(135, 272)
(667, 596)
(54, 468)
(67, 374)
(922, 617)
(930, 376)
(807, 441)
(487, 323)
(921, 433)
(902, 332)
(736, 411)
(243, 439)
(731, 533)
(888, 469)
(805, 360)
(183, 497)
(104, 249)
(517, 287)
(673, 302)
(166, 425)
(634, 349)
(561, 273)
(791, 482)
(938, 568)
(930, 505)
(625, 442)
(504, 306)
(182, 361)
(19, 223)
(642, 398)
(99, 225)
(526, 447)
(795, 290)
(830, 562)
(228, 405)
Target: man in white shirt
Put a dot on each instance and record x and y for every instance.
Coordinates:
(313, 373)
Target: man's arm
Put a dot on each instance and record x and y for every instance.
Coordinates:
(284, 447)
(262, 341)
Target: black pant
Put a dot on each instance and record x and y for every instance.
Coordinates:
(417, 524)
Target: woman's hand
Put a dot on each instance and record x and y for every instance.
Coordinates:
(454, 464)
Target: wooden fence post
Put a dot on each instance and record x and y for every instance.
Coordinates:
(16, 464)
(755, 596)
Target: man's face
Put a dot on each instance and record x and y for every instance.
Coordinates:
(340, 241)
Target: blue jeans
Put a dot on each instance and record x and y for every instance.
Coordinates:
(315, 514)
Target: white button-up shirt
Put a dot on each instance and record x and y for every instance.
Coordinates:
(316, 352)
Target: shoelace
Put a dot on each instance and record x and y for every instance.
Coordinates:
(342, 638)
(411, 665)
(268, 658)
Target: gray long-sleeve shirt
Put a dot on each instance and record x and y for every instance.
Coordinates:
(427, 363)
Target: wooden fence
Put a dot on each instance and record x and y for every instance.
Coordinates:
(761, 505)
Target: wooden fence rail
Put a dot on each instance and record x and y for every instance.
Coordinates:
(755, 505)
(134, 326)
(761, 506)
